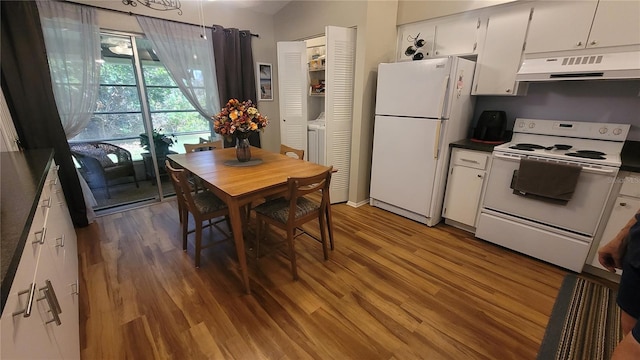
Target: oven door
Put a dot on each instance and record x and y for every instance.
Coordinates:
(580, 215)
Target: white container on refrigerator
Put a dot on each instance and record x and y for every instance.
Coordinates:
(421, 107)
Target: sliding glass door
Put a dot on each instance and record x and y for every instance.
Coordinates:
(141, 116)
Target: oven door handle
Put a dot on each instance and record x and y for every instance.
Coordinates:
(601, 171)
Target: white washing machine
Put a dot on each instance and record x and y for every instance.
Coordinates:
(316, 141)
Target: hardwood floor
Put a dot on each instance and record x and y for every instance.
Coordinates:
(392, 289)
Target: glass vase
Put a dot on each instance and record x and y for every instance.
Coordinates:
(243, 149)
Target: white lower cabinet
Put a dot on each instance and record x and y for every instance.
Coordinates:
(625, 207)
(465, 184)
(41, 319)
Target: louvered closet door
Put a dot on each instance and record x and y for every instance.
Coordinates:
(341, 54)
(292, 85)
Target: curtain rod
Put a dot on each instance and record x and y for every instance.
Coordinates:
(132, 14)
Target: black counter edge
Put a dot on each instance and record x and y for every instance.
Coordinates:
(15, 261)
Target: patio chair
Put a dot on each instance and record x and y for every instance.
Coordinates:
(98, 168)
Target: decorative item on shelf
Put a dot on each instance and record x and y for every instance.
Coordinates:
(162, 5)
(161, 141)
(238, 120)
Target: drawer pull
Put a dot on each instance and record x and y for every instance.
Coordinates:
(52, 301)
(60, 241)
(42, 233)
(469, 161)
(74, 289)
(623, 204)
(27, 309)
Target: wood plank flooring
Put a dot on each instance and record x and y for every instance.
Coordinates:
(392, 289)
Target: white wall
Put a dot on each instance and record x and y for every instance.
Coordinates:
(607, 101)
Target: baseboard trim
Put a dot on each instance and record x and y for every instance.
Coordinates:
(357, 204)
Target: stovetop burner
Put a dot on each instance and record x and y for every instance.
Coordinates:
(591, 152)
(587, 155)
(527, 147)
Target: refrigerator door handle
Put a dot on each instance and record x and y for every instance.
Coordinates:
(436, 143)
(443, 93)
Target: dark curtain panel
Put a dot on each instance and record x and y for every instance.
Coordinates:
(234, 69)
(26, 84)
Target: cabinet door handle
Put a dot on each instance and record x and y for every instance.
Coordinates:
(579, 43)
(27, 309)
(623, 204)
(593, 43)
(53, 182)
(480, 176)
(42, 233)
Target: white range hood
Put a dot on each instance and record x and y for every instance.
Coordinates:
(624, 65)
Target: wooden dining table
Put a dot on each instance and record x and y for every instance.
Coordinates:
(238, 184)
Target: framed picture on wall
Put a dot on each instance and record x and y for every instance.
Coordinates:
(265, 83)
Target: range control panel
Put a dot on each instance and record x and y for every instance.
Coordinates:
(575, 129)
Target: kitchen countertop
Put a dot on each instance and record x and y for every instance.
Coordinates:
(472, 145)
(23, 177)
(631, 156)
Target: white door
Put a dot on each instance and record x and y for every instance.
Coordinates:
(500, 59)
(292, 85)
(616, 23)
(340, 62)
(457, 37)
(581, 214)
(414, 88)
(404, 162)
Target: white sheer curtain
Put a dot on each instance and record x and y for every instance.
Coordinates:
(188, 58)
(72, 39)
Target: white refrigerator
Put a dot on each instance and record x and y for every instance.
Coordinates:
(421, 107)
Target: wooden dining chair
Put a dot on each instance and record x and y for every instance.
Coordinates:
(289, 213)
(203, 206)
(287, 150)
(203, 146)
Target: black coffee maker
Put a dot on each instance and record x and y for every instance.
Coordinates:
(491, 127)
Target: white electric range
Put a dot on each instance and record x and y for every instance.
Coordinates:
(559, 233)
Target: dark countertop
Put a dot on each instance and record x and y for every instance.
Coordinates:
(23, 177)
(472, 145)
(631, 156)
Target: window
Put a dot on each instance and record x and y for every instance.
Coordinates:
(120, 117)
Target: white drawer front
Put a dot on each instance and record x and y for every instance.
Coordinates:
(469, 158)
(631, 186)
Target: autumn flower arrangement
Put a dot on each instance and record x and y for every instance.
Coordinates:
(238, 119)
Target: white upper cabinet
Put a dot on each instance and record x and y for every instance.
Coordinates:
(617, 23)
(501, 53)
(562, 25)
(458, 36)
(416, 40)
(455, 35)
